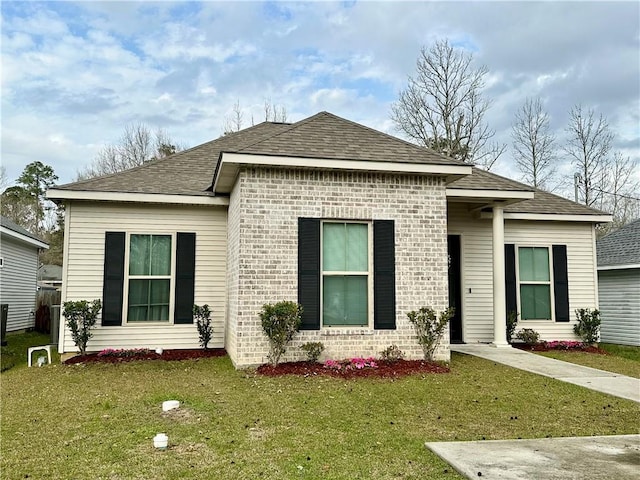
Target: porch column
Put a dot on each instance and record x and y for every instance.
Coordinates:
(499, 299)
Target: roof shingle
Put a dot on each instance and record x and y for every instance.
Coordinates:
(323, 135)
(621, 247)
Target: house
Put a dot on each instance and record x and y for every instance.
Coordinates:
(18, 273)
(357, 226)
(619, 285)
(50, 277)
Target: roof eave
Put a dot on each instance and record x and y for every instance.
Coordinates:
(209, 200)
(230, 163)
(555, 217)
(23, 238)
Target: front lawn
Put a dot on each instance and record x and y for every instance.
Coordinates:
(97, 420)
(621, 359)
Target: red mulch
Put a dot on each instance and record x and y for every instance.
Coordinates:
(541, 347)
(168, 355)
(384, 369)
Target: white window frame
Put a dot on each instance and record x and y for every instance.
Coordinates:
(127, 277)
(368, 273)
(550, 282)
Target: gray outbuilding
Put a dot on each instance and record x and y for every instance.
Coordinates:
(619, 285)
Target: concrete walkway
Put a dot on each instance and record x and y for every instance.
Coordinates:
(569, 458)
(594, 379)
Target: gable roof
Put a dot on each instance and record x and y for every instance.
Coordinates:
(14, 230)
(323, 136)
(621, 247)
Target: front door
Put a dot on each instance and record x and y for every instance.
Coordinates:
(455, 297)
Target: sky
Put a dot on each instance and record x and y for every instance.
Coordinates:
(74, 74)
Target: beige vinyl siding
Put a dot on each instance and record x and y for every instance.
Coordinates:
(477, 264)
(84, 257)
(619, 292)
(18, 277)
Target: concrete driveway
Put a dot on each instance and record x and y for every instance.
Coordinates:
(580, 458)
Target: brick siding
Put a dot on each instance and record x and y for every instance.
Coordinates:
(263, 252)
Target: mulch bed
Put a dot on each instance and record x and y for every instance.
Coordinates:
(167, 355)
(384, 369)
(541, 347)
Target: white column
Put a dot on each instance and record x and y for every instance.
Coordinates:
(499, 295)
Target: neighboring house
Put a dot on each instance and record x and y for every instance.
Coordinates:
(358, 226)
(619, 285)
(50, 276)
(18, 273)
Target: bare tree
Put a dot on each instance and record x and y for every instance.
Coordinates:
(136, 146)
(533, 144)
(4, 181)
(619, 191)
(233, 123)
(272, 113)
(442, 107)
(588, 147)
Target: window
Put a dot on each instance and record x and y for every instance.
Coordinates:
(346, 266)
(535, 283)
(149, 278)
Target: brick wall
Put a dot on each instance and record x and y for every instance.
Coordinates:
(262, 252)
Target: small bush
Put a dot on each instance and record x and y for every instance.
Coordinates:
(202, 316)
(528, 336)
(588, 326)
(280, 322)
(81, 317)
(124, 352)
(429, 328)
(512, 322)
(356, 363)
(313, 350)
(392, 354)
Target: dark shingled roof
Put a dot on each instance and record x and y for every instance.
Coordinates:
(6, 223)
(323, 135)
(621, 247)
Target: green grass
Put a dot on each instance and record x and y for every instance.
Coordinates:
(622, 359)
(97, 421)
(15, 352)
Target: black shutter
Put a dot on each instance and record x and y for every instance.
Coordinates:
(384, 275)
(511, 287)
(561, 283)
(113, 280)
(309, 272)
(185, 277)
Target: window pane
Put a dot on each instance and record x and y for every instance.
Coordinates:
(357, 247)
(140, 246)
(148, 300)
(333, 247)
(533, 264)
(161, 255)
(535, 302)
(541, 264)
(345, 300)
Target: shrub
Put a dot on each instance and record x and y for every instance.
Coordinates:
(588, 326)
(81, 317)
(512, 322)
(280, 322)
(202, 316)
(392, 354)
(124, 352)
(528, 336)
(429, 328)
(313, 350)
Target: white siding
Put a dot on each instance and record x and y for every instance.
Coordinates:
(620, 306)
(477, 279)
(84, 261)
(18, 277)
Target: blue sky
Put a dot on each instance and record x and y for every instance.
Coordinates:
(75, 73)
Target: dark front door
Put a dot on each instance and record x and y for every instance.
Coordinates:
(455, 295)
